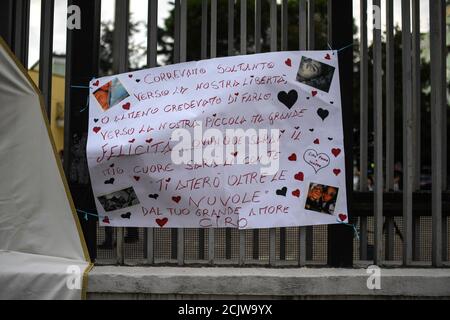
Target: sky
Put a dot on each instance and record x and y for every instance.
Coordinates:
(138, 10)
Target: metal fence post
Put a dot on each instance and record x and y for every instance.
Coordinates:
(81, 66)
(340, 34)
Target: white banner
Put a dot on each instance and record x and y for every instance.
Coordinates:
(250, 141)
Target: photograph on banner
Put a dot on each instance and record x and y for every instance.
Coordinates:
(252, 141)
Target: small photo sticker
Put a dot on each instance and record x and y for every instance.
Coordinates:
(119, 199)
(315, 74)
(110, 94)
(321, 198)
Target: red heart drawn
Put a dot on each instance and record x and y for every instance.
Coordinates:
(126, 106)
(132, 140)
(130, 76)
(296, 193)
(96, 129)
(288, 62)
(149, 140)
(316, 141)
(96, 83)
(161, 222)
(342, 216)
(336, 171)
(176, 199)
(234, 154)
(106, 219)
(136, 178)
(335, 151)
(327, 56)
(292, 157)
(299, 176)
(313, 93)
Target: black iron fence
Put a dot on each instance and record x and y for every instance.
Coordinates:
(395, 121)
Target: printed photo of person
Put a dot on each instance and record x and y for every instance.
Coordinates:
(313, 200)
(321, 198)
(110, 94)
(315, 74)
(119, 199)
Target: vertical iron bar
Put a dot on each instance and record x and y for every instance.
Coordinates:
(437, 10)
(81, 66)
(378, 133)
(182, 26)
(364, 118)
(416, 238)
(152, 47)
(204, 34)
(416, 92)
(46, 54)
(255, 232)
(211, 231)
(340, 34)
(407, 132)
(213, 28)
(230, 27)
(243, 26)
(257, 26)
(203, 55)
(390, 95)
(243, 50)
(120, 65)
(363, 238)
(311, 28)
(152, 31)
(390, 236)
(302, 25)
(309, 234)
(284, 46)
(284, 25)
(21, 30)
(176, 234)
(273, 47)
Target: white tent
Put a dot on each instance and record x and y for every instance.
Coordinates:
(42, 250)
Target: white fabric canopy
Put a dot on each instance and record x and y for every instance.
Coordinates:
(41, 245)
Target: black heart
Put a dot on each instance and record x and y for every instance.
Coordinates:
(153, 196)
(331, 102)
(109, 181)
(126, 215)
(329, 138)
(323, 113)
(296, 128)
(312, 129)
(138, 80)
(95, 120)
(112, 165)
(281, 192)
(288, 98)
